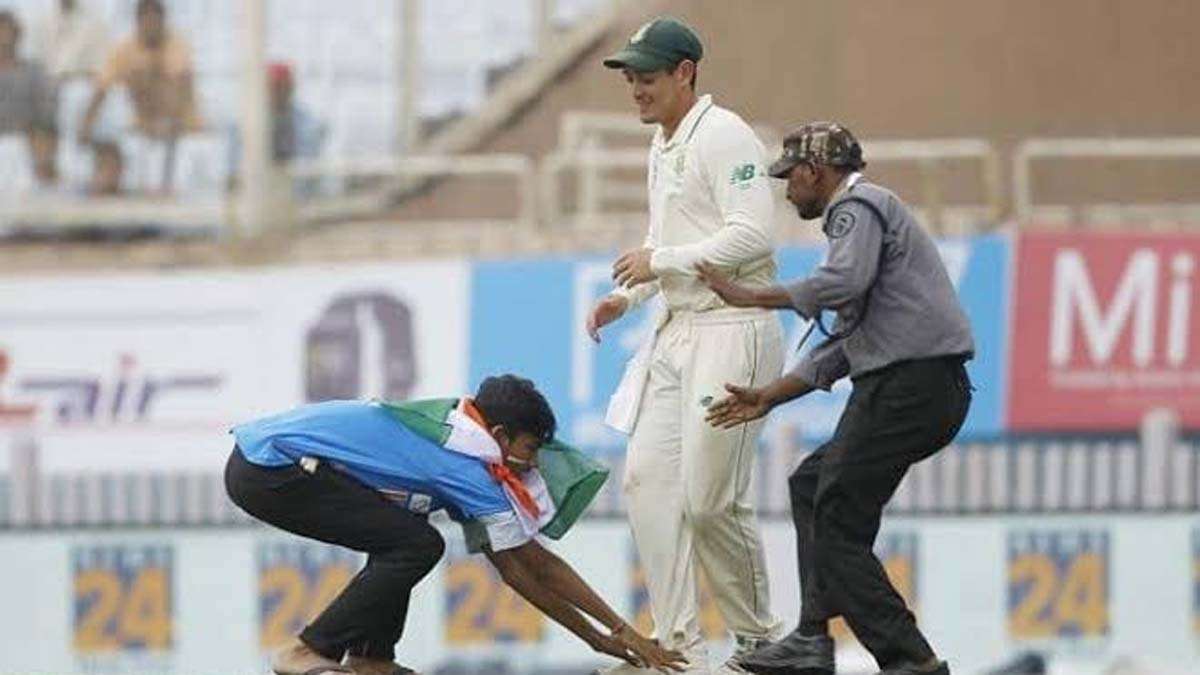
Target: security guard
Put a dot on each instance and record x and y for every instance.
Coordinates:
(903, 338)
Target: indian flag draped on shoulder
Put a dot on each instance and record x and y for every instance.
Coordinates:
(547, 500)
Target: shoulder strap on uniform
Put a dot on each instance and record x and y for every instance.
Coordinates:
(865, 202)
(866, 296)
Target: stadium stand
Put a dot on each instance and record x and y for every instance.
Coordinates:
(342, 55)
(346, 73)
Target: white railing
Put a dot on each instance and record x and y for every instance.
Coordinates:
(590, 163)
(592, 145)
(1034, 149)
(519, 167)
(45, 214)
(929, 153)
(575, 126)
(604, 156)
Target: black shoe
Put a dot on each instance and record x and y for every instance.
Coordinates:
(797, 654)
(1028, 663)
(942, 668)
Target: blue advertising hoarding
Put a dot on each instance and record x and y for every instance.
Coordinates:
(527, 317)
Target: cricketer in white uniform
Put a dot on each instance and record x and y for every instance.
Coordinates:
(687, 484)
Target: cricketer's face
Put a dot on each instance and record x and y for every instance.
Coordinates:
(657, 94)
(520, 452)
(802, 191)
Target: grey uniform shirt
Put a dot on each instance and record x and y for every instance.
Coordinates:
(912, 311)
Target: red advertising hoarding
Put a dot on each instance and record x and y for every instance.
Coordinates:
(1104, 328)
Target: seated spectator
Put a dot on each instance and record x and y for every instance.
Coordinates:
(27, 101)
(108, 168)
(295, 133)
(155, 66)
(69, 41)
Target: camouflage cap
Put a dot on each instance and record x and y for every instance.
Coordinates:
(827, 143)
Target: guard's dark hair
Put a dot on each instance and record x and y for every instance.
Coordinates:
(515, 403)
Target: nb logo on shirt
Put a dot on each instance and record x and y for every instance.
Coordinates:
(743, 174)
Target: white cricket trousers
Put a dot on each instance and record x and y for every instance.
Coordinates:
(688, 484)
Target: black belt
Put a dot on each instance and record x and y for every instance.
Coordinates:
(949, 359)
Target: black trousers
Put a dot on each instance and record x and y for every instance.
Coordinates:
(895, 417)
(367, 618)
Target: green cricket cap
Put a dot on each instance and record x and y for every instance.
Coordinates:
(659, 44)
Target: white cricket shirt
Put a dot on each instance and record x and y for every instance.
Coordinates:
(710, 201)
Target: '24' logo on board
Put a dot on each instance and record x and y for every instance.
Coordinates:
(121, 598)
(1058, 584)
(481, 609)
(296, 582)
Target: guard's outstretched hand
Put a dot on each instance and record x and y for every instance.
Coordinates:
(733, 294)
(743, 404)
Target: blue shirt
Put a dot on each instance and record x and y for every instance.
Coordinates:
(364, 440)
